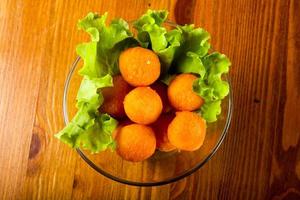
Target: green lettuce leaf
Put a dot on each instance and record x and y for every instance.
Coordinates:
(167, 55)
(85, 124)
(89, 129)
(150, 30)
(194, 46)
(101, 55)
(99, 136)
(153, 35)
(210, 110)
(185, 49)
(190, 55)
(195, 40)
(191, 63)
(88, 94)
(95, 137)
(211, 87)
(181, 47)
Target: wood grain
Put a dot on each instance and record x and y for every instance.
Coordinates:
(259, 159)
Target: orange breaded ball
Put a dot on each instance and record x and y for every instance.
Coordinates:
(187, 131)
(120, 125)
(162, 90)
(142, 105)
(139, 66)
(160, 128)
(135, 142)
(114, 97)
(181, 95)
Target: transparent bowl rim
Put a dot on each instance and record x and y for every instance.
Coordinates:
(135, 183)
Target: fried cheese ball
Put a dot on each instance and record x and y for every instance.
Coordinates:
(114, 97)
(121, 124)
(139, 66)
(135, 142)
(160, 128)
(162, 90)
(142, 105)
(187, 131)
(181, 95)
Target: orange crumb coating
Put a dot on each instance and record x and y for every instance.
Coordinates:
(160, 128)
(121, 124)
(114, 97)
(139, 66)
(142, 105)
(162, 90)
(187, 131)
(135, 142)
(181, 95)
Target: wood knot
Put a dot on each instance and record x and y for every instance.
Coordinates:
(75, 182)
(35, 145)
(36, 142)
(256, 100)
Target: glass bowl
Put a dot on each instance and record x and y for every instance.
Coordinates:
(161, 168)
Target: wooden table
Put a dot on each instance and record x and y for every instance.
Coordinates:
(259, 159)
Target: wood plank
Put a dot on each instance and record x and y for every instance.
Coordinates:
(20, 58)
(259, 159)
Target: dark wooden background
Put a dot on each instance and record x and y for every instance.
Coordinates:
(259, 159)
